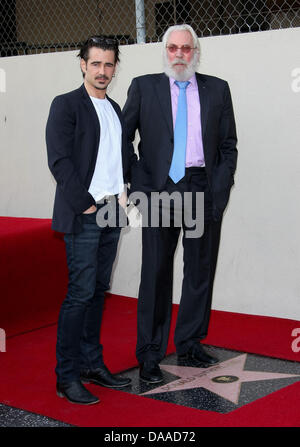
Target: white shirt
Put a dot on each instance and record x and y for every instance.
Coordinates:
(108, 175)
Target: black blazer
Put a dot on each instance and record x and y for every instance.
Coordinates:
(72, 138)
(148, 109)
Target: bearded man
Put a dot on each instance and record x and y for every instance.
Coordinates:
(187, 144)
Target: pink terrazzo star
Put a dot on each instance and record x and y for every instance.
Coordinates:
(224, 379)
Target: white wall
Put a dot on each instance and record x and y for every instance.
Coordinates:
(258, 268)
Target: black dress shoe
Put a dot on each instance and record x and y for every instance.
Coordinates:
(196, 356)
(102, 376)
(150, 372)
(76, 393)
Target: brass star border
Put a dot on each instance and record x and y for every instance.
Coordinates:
(237, 380)
(227, 388)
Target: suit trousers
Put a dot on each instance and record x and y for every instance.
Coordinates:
(156, 285)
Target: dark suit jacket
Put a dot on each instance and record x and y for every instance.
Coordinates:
(72, 137)
(148, 109)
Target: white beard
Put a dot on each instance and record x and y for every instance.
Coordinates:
(186, 73)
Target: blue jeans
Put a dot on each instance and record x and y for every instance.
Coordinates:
(90, 258)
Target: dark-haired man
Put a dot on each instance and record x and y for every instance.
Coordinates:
(89, 158)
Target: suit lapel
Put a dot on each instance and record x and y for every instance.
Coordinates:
(124, 140)
(204, 101)
(116, 110)
(164, 95)
(92, 112)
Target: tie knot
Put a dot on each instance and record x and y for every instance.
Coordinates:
(182, 85)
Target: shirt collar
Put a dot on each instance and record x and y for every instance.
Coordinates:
(192, 80)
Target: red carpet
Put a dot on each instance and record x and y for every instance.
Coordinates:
(27, 378)
(32, 274)
(33, 283)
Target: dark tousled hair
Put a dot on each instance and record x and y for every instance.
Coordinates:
(103, 42)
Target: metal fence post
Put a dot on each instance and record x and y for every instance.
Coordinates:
(140, 21)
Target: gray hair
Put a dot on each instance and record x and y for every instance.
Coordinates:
(192, 66)
(183, 27)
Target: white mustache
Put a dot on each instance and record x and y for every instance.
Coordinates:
(179, 61)
(185, 73)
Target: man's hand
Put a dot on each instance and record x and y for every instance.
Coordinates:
(90, 210)
(123, 200)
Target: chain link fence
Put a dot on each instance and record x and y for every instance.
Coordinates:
(38, 26)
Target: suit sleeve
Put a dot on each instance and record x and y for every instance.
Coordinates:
(60, 133)
(131, 111)
(228, 138)
(127, 147)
